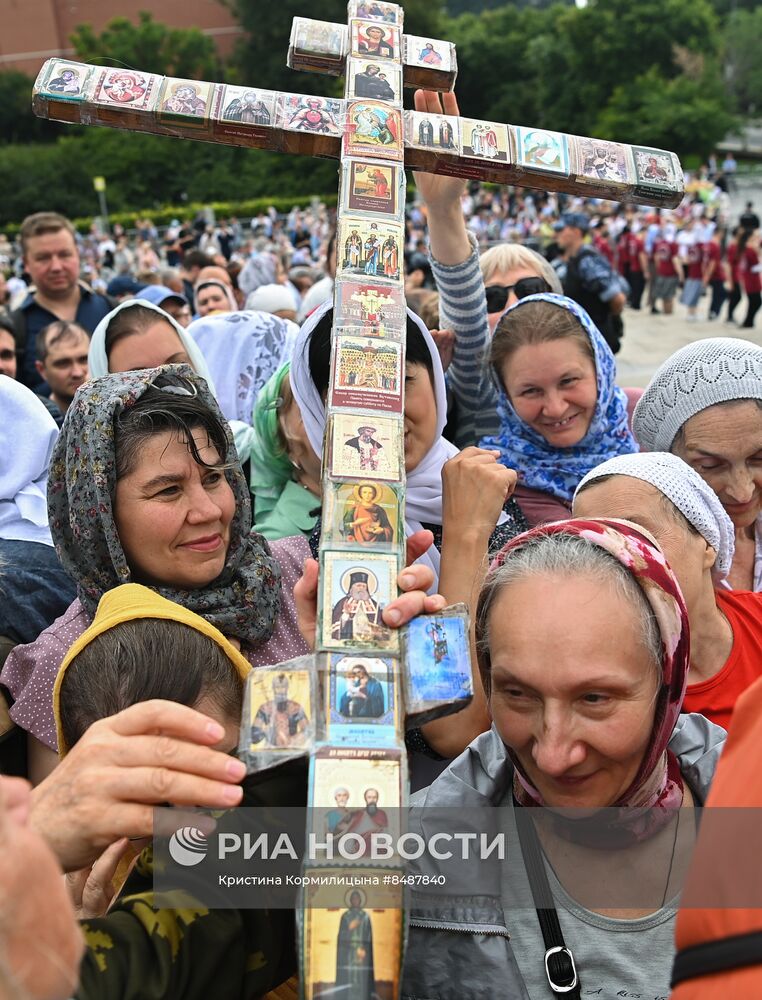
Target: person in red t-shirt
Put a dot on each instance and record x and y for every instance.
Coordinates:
(669, 271)
(714, 275)
(602, 245)
(726, 626)
(750, 272)
(734, 279)
(694, 272)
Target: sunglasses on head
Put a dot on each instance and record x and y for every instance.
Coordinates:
(497, 295)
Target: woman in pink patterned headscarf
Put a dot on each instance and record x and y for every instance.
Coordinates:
(583, 646)
(620, 609)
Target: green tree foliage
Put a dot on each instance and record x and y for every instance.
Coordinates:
(261, 55)
(743, 61)
(17, 123)
(684, 114)
(146, 171)
(150, 46)
(645, 72)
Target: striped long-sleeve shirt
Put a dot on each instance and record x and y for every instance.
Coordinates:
(463, 309)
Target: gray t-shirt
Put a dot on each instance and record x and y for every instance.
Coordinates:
(615, 959)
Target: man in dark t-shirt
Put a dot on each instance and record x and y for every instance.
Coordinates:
(51, 258)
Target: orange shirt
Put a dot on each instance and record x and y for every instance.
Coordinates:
(716, 697)
(726, 867)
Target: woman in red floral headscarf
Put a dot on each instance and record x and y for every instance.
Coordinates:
(583, 646)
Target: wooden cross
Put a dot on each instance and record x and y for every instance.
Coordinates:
(356, 692)
(296, 123)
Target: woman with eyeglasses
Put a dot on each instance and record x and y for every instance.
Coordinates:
(547, 400)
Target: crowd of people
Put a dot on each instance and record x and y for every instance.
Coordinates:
(162, 414)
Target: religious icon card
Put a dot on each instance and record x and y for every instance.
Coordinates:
(279, 713)
(362, 514)
(311, 125)
(317, 46)
(311, 115)
(438, 679)
(485, 140)
(361, 700)
(371, 249)
(354, 590)
(366, 375)
(540, 149)
(64, 80)
(126, 90)
(365, 447)
(358, 770)
(351, 933)
(388, 13)
(186, 102)
(428, 53)
(373, 129)
(376, 79)
(373, 187)
(246, 113)
(602, 164)
(658, 174)
(370, 309)
(440, 133)
(374, 39)
(429, 63)
(61, 91)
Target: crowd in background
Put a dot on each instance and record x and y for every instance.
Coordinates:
(162, 418)
(660, 255)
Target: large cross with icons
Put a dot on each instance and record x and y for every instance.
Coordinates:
(346, 706)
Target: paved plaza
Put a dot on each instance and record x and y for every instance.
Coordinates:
(649, 340)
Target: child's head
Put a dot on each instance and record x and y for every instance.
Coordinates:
(142, 647)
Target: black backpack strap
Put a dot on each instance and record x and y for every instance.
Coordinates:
(560, 967)
(717, 956)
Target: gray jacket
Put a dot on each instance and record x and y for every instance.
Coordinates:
(459, 946)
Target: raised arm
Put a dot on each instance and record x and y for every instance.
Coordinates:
(448, 237)
(462, 301)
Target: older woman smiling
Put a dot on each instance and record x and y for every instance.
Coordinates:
(583, 647)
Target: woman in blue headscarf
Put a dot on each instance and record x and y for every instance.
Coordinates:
(560, 411)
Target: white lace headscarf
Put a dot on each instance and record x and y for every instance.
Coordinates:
(685, 488)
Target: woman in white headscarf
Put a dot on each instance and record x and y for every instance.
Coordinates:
(463, 498)
(213, 296)
(426, 451)
(138, 334)
(34, 589)
(242, 350)
(670, 500)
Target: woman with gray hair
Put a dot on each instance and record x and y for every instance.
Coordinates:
(704, 404)
(583, 648)
(670, 500)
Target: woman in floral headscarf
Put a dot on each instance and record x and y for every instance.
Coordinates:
(144, 486)
(583, 647)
